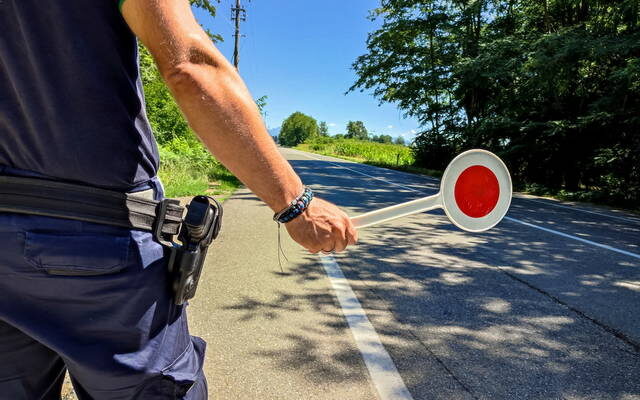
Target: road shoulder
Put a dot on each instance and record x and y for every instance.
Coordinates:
(271, 333)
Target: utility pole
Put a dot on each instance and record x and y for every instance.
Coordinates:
(237, 14)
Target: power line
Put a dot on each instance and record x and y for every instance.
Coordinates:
(238, 14)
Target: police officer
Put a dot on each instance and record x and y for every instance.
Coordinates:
(93, 298)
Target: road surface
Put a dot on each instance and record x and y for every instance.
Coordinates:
(544, 306)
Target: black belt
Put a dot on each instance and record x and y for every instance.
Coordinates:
(85, 203)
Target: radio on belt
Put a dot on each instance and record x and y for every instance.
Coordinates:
(200, 227)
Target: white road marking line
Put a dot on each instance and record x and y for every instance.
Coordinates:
(383, 371)
(565, 235)
(630, 219)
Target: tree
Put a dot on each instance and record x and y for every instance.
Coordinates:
(400, 140)
(356, 130)
(551, 86)
(323, 129)
(382, 138)
(297, 128)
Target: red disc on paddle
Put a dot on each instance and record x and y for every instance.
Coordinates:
(477, 191)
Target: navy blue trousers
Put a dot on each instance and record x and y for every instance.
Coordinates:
(95, 300)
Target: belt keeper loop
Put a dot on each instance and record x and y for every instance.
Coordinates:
(161, 213)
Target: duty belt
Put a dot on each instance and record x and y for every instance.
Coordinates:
(196, 231)
(85, 203)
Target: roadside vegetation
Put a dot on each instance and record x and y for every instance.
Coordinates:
(385, 155)
(380, 154)
(186, 167)
(356, 145)
(551, 86)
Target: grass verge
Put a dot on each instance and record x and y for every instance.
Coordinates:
(195, 172)
(389, 156)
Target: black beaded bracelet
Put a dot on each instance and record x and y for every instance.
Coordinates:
(297, 207)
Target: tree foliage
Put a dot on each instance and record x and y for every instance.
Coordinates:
(382, 138)
(207, 5)
(323, 129)
(553, 86)
(357, 130)
(261, 103)
(297, 128)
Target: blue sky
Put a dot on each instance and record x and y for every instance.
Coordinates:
(299, 54)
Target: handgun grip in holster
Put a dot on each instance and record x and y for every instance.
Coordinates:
(200, 227)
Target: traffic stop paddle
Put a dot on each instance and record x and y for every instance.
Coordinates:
(475, 193)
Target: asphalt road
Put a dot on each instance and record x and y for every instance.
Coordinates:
(544, 306)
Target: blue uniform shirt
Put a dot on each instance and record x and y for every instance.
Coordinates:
(71, 100)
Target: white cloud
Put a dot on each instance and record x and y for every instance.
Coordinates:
(389, 126)
(332, 124)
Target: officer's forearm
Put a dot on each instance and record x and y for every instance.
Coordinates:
(221, 111)
(212, 96)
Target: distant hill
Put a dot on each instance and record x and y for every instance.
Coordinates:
(274, 131)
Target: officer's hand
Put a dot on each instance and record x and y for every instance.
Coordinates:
(322, 227)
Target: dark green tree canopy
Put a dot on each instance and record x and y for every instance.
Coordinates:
(297, 128)
(552, 86)
(357, 130)
(382, 138)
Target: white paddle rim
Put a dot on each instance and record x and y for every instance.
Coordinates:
(448, 183)
(446, 198)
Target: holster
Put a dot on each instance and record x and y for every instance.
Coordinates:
(200, 227)
(195, 231)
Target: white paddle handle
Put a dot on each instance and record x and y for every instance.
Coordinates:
(397, 211)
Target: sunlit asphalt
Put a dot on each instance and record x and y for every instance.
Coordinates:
(518, 312)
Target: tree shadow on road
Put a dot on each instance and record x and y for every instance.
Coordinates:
(508, 314)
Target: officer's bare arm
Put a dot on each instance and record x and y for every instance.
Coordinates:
(221, 111)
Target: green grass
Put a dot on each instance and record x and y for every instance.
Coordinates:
(390, 156)
(187, 169)
(360, 150)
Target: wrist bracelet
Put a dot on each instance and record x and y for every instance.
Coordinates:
(297, 207)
